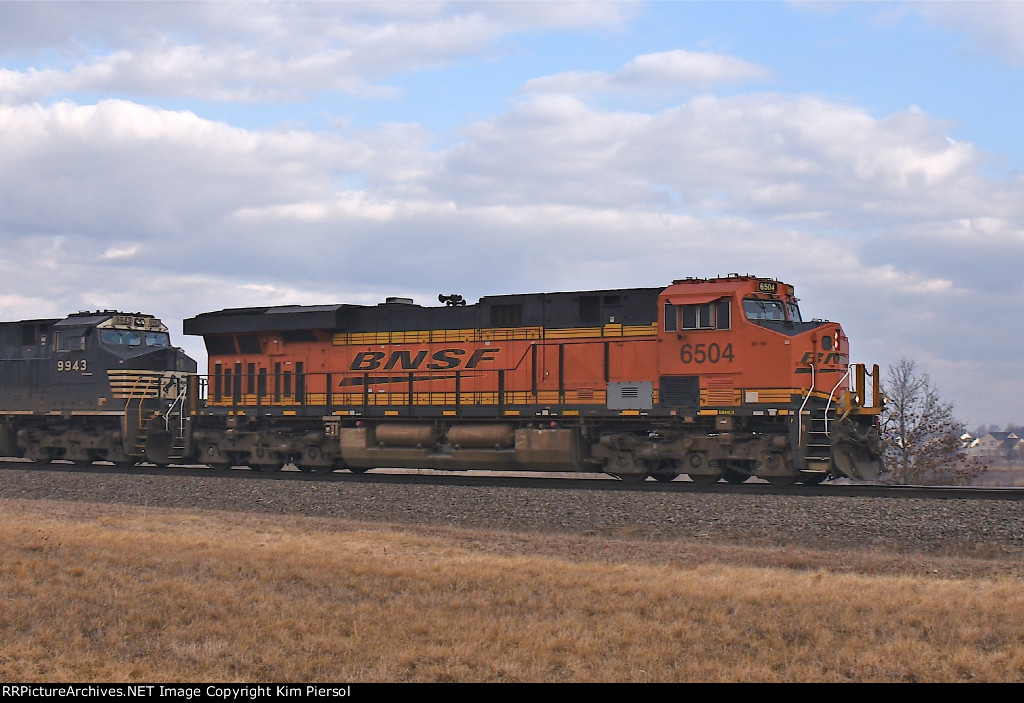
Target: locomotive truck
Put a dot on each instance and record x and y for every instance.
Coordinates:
(713, 378)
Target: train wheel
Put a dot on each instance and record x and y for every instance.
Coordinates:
(737, 471)
(667, 470)
(781, 480)
(360, 469)
(735, 477)
(705, 479)
(35, 454)
(630, 478)
(225, 461)
(812, 478)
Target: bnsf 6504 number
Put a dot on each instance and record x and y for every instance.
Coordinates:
(77, 365)
(700, 353)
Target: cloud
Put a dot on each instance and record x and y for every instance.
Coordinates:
(990, 27)
(825, 184)
(123, 252)
(123, 170)
(672, 71)
(258, 52)
(795, 159)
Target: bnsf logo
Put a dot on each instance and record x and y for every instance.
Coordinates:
(410, 361)
(831, 358)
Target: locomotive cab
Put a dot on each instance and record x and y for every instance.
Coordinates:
(104, 357)
(736, 351)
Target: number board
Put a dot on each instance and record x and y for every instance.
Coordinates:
(134, 322)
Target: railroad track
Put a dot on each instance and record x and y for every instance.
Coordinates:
(981, 522)
(583, 482)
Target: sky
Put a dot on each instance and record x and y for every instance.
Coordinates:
(183, 157)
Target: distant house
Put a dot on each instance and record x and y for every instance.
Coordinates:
(1013, 448)
(997, 445)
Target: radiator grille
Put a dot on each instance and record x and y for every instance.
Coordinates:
(683, 391)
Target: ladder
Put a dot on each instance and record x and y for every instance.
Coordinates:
(818, 447)
(175, 422)
(137, 423)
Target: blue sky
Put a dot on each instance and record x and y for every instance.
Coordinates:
(183, 157)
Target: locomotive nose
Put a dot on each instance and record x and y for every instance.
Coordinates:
(164, 359)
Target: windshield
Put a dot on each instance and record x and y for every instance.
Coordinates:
(133, 338)
(794, 312)
(763, 309)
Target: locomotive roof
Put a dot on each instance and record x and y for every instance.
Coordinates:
(266, 319)
(85, 318)
(629, 306)
(48, 321)
(81, 317)
(624, 305)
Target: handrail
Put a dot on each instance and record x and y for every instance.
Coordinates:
(131, 394)
(148, 380)
(180, 399)
(831, 395)
(800, 412)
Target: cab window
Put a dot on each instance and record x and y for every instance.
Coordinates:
(794, 312)
(756, 309)
(133, 338)
(704, 316)
(156, 339)
(68, 340)
(671, 317)
(113, 338)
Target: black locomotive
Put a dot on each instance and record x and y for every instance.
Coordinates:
(93, 386)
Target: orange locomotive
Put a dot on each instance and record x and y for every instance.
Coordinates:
(713, 378)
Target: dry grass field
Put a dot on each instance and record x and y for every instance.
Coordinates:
(1001, 473)
(95, 593)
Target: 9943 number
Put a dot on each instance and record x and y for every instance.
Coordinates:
(68, 365)
(701, 353)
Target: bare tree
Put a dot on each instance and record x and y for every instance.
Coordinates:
(923, 438)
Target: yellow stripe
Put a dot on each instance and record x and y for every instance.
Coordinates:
(491, 334)
(437, 336)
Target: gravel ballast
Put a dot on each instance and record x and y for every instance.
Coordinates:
(907, 524)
